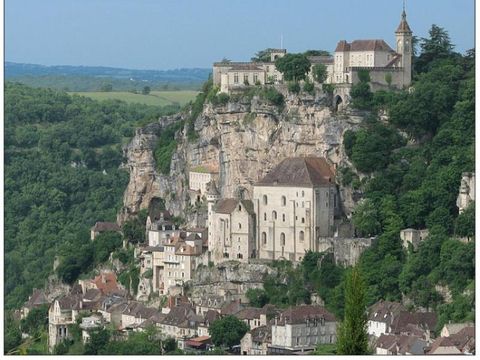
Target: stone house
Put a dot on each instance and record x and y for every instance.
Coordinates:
(452, 329)
(462, 342)
(106, 282)
(420, 324)
(209, 303)
(62, 313)
(295, 204)
(381, 315)
(233, 231)
(400, 345)
(301, 328)
(101, 227)
(256, 341)
(181, 258)
(413, 236)
(89, 324)
(208, 318)
(256, 317)
(200, 176)
(230, 76)
(181, 323)
(161, 229)
(35, 300)
(135, 313)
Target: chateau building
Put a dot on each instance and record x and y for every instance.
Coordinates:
(295, 204)
(387, 67)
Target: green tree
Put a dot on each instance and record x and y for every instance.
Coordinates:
(146, 90)
(352, 337)
(366, 219)
(319, 73)
(257, 297)
(99, 340)
(316, 53)
(465, 222)
(294, 67)
(36, 321)
(438, 46)
(262, 55)
(227, 331)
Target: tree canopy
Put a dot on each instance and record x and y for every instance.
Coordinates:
(294, 67)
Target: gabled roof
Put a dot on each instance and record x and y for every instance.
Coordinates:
(249, 313)
(227, 206)
(262, 334)
(106, 282)
(182, 316)
(101, 226)
(401, 344)
(385, 311)
(38, 298)
(299, 171)
(300, 314)
(424, 320)
(70, 302)
(232, 308)
(363, 45)
(138, 310)
(245, 67)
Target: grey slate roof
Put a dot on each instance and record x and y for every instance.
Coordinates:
(227, 206)
(300, 314)
(299, 171)
(363, 45)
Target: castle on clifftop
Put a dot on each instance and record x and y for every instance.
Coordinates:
(387, 67)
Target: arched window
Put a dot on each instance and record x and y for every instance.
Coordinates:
(303, 220)
(303, 193)
(265, 216)
(282, 239)
(265, 200)
(284, 201)
(239, 225)
(274, 215)
(283, 217)
(302, 236)
(264, 238)
(239, 207)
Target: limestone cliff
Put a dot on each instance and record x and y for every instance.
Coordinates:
(246, 139)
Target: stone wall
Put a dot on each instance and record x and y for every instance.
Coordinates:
(346, 251)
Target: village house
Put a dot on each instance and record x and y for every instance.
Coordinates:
(135, 313)
(462, 342)
(208, 318)
(160, 229)
(62, 313)
(106, 282)
(257, 341)
(90, 323)
(35, 300)
(101, 227)
(233, 229)
(452, 329)
(381, 315)
(420, 324)
(400, 345)
(181, 258)
(295, 204)
(209, 303)
(300, 329)
(181, 323)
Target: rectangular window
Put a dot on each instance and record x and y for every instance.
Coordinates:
(235, 78)
(255, 78)
(245, 79)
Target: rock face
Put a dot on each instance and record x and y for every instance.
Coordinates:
(466, 193)
(246, 139)
(230, 278)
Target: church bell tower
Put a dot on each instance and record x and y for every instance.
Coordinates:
(403, 37)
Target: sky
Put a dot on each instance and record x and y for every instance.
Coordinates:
(170, 34)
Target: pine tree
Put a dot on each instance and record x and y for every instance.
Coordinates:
(352, 334)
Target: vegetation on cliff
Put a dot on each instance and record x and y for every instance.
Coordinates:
(62, 157)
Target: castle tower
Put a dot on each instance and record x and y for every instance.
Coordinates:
(212, 194)
(403, 36)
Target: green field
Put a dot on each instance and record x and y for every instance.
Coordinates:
(158, 98)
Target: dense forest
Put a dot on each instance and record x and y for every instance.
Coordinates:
(62, 158)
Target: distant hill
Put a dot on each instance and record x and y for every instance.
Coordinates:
(92, 78)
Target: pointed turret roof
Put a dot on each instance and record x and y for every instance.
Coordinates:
(403, 27)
